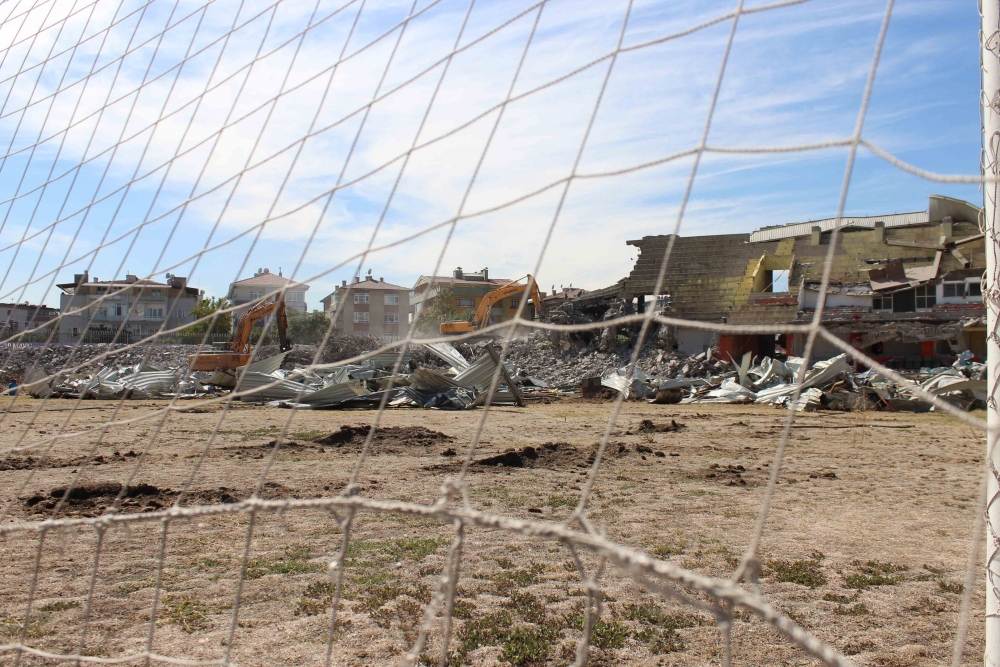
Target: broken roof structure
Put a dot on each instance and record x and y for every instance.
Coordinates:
(910, 282)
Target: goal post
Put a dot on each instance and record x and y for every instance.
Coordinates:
(990, 100)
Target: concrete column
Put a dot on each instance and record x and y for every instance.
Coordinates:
(815, 235)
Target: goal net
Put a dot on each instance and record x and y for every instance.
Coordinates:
(212, 138)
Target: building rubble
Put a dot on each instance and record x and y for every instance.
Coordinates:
(462, 385)
(831, 384)
(537, 367)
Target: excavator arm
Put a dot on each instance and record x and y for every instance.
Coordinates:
(481, 318)
(246, 322)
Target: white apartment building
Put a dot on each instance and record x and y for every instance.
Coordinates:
(137, 307)
(264, 282)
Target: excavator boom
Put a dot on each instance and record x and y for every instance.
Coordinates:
(481, 318)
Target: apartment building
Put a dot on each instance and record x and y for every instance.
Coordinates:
(17, 317)
(137, 307)
(263, 282)
(369, 306)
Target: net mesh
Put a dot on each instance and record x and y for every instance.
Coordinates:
(132, 124)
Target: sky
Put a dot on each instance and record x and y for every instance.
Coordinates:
(327, 138)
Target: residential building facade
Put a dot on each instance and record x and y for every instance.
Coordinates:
(369, 306)
(468, 290)
(263, 282)
(136, 307)
(18, 317)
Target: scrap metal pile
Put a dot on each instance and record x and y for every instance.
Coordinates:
(461, 385)
(831, 384)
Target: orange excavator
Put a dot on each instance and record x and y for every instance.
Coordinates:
(481, 318)
(239, 354)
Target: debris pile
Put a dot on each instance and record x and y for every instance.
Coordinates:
(370, 383)
(831, 384)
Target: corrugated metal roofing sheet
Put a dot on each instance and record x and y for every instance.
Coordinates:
(867, 222)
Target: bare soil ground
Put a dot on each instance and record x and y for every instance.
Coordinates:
(866, 543)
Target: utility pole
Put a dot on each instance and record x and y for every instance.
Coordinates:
(990, 102)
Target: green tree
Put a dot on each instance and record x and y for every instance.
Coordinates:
(307, 328)
(441, 309)
(223, 323)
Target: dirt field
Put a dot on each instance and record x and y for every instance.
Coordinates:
(866, 544)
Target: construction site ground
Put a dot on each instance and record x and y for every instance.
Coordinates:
(866, 545)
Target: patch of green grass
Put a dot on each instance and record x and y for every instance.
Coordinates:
(875, 573)
(842, 599)
(61, 605)
(415, 549)
(526, 645)
(130, 587)
(858, 609)
(555, 502)
(671, 549)
(376, 578)
(316, 598)
(943, 585)
(188, 612)
(651, 614)
(511, 580)
(802, 572)
(463, 609)
(308, 435)
(527, 606)
(504, 563)
(667, 641)
(293, 562)
(488, 630)
(609, 635)
(11, 628)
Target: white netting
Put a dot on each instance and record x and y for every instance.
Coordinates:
(232, 124)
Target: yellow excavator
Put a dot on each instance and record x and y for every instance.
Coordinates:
(481, 318)
(239, 354)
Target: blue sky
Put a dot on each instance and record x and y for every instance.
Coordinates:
(96, 175)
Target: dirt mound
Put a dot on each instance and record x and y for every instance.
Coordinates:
(31, 462)
(389, 436)
(551, 455)
(648, 426)
(89, 500)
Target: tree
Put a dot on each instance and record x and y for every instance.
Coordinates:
(441, 309)
(307, 328)
(222, 324)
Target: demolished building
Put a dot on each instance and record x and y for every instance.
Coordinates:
(905, 288)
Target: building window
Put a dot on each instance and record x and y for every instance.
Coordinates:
(882, 302)
(75, 331)
(156, 294)
(361, 318)
(117, 309)
(296, 296)
(392, 299)
(154, 313)
(975, 289)
(361, 297)
(180, 313)
(390, 318)
(514, 303)
(102, 311)
(954, 290)
(465, 302)
(926, 296)
(255, 295)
